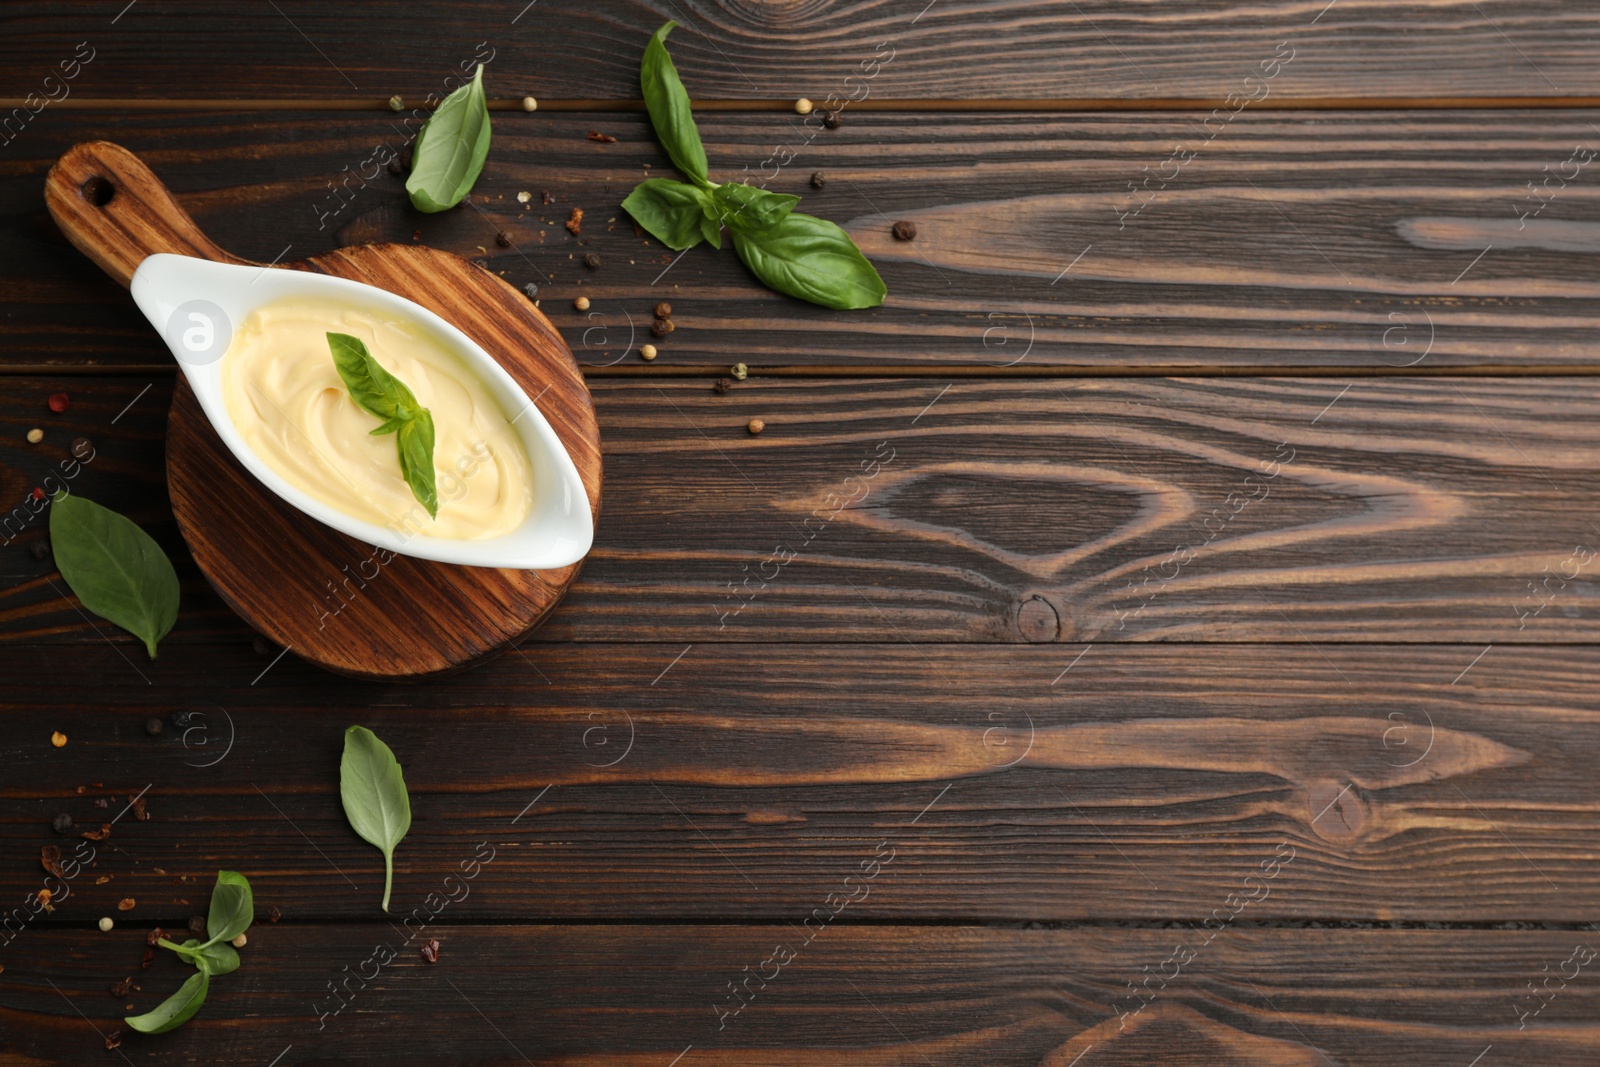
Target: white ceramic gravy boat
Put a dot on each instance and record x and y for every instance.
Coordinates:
(172, 290)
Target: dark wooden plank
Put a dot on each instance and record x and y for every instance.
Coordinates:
(1292, 239)
(1115, 510)
(1031, 784)
(641, 995)
(733, 48)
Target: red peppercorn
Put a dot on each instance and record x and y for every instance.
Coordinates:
(430, 950)
(38, 494)
(58, 401)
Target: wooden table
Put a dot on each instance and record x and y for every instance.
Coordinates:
(1163, 633)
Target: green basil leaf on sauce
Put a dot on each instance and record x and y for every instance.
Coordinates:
(752, 210)
(373, 790)
(176, 1009)
(670, 111)
(672, 212)
(450, 149)
(812, 259)
(416, 459)
(116, 569)
(381, 394)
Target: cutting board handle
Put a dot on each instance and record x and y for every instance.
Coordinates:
(117, 212)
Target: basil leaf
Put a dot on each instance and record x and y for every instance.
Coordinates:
(221, 958)
(373, 790)
(753, 210)
(711, 230)
(672, 211)
(812, 259)
(232, 907)
(450, 149)
(380, 393)
(115, 568)
(176, 1009)
(670, 112)
(416, 459)
(375, 390)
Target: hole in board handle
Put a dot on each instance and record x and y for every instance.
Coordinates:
(98, 191)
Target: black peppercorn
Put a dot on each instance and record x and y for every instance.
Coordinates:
(503, 239)
(153, 726)
(722, 386)
(40, 549)
(818, 180)
(662, 327)
(197, 924)
(531, 291)
(592, 260)
(82, 448)
(396, 167)
(905, 230)
(259, 645)
(831, 120)
(61, 824)
(663, 310)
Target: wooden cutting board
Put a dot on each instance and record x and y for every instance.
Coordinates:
(325, 596)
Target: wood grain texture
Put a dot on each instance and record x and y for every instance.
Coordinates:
(1131, 783)
(281, 571)
(1115, 510)
(1290, 239)
(745, 49)
(638, 996)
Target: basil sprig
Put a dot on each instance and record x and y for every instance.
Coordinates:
(373, 791)
(800, 255)
(450, 149)
(116, 569)
(232, 910)
(380, 393)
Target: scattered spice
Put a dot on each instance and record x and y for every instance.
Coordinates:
(35, 435)
(197, 924)
(126, 904)
(137, 804)
(663, 310)
(832, 120)
(113, 1040)
(524, 196)
(575, 220)
(122, 988)
(647, 351)
(548, 197)
(818, 180)
(397, 168)
(153, 936)
(106, 924)
(602, 138)
(905, 230)
(739, 371)
(50, 859)
(101, 802)
(44, 897)
(273, 914)
(57, 738)
(662, 327)
(503, 239)
(722, 386)
(530, 104)
(240, 942)
(97, 835)
(154, 726)
(58, 402)
(102, 880)
(592, 260)
(396, 104)
(40, 549)
(803, 106)
(148, 958)
(82, 448)
(62, 824)
(582, 303)
(430, 950)
(756, 426)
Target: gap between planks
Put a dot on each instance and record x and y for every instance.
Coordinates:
(1056, 105)
(948, 370)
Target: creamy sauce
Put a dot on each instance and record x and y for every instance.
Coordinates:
(285, 396)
